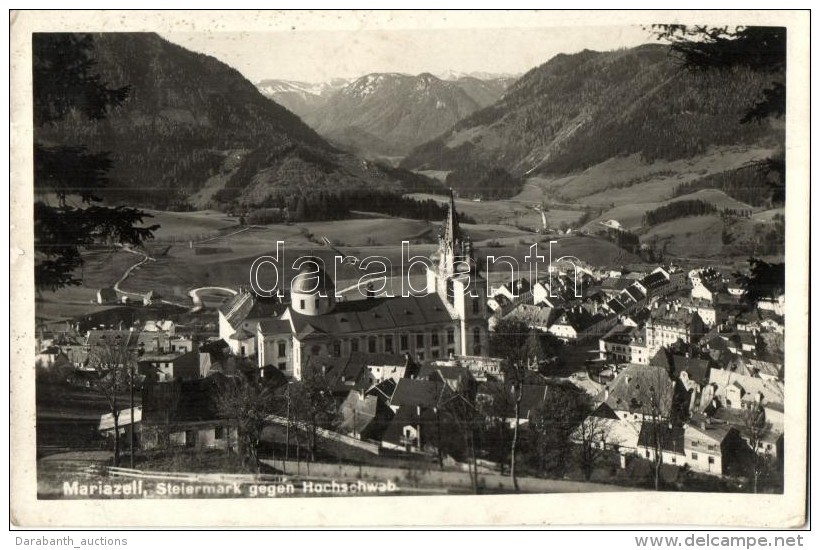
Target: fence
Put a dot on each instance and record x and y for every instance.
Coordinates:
(369, 446)
(193, 477)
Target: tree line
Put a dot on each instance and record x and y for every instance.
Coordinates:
(484, 182)
(325, 205)
(751, 184)
(678, 209)
(622, 238)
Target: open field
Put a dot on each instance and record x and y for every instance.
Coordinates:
(226, 261)
(698, 236)
(767, 216)
(654, 182)
(631, 215)
(440, 175)
(508, 211)
(223, 252)
(184, 225)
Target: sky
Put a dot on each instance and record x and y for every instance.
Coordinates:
(318, 56)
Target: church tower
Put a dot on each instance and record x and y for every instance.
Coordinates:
(456, 279)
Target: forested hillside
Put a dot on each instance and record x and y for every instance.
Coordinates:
(578, 110)
(189, 118)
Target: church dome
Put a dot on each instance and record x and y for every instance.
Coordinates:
(310, 281)
(312, 290)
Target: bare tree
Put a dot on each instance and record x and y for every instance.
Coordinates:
(653, 393)
(553, 423)
(509, 341)
(519, 346)
(248, 403)
(316, 406)
(592, 435)
(757, 428)
(493, 410)
(298, 404)
(114, 364)
(458, 407)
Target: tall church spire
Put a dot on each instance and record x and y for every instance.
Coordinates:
(452, 232)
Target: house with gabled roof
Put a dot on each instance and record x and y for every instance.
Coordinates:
(539, 317)
(640, 391)
(612, 286)
(417, 393)
(657, 284)
(274, 346)
(770, 441)
(414, 429)
(704, 308)
(739, 391)
(711, 447)
(364, 416)
(341, 374)
(185, 413)
(624, 344)
(669, 323)
(126, 338)
(383, 390)
(165, 366)
(239, 317)
(668, 437)
(532, 397)
(707, 290)
(513, 289)
(609, 431)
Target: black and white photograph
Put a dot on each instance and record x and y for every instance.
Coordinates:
(418, 259)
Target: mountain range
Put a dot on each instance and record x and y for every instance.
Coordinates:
(301, 98)
(194, 132)
(576, 111)
(607, 131)
(386, 114)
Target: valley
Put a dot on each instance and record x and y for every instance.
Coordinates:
(405, 267)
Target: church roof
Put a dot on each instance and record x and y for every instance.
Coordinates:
(373, 315)
(246, 305)
(274, 326)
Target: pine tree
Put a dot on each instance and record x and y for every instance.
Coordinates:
(64, 86)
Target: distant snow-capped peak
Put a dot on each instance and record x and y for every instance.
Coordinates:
(480, 75)
(275, 86)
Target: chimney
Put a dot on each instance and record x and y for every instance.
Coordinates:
(418, 410)
(606, 392)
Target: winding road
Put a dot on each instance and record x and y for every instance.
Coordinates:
(145, 258)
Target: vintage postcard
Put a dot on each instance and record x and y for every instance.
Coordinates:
(421, 268)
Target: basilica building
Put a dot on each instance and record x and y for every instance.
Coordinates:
(445, 319)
